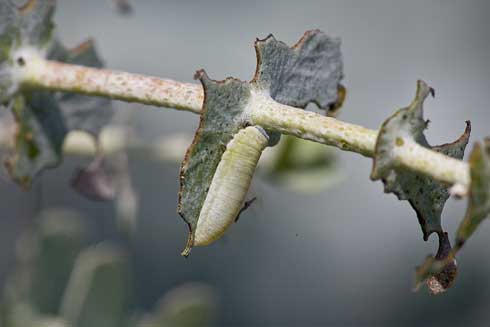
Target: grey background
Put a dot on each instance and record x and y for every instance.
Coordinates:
(345, 256)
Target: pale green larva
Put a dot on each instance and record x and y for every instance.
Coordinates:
(230, 184)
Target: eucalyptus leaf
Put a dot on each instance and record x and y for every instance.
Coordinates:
(191, 304)
(479, 194)
(302, 166)
(426, 196)
(308, 72)
(95, 181)
(45, 118)
(44, 261)
(97, 293)
(434, 270)
(29, 26)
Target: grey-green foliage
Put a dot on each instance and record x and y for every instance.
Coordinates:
(45, 261)
(310, 71)
(477, 211)
(220, 120)
(98, 291)
(190, 305)
(60, 239)
(58, 281)
(479, 197)
(43, 118)
(424, 194)
(28, 26)
(302, 166)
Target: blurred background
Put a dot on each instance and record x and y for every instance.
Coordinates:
(344, 255)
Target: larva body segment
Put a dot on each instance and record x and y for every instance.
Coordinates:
(230, 184)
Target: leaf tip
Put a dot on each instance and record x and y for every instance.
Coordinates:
(190, 243)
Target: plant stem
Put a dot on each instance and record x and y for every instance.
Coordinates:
(435, 164)
(269, 114)
(56, 76)
(38, 73)
(350, 137)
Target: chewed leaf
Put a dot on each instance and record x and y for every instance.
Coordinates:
(44, 119)
(425, 195)
(28, 26)
(477, 211)
(310, 71)
(479, 194)
(405, 123)
(438, 272)
(221, 118)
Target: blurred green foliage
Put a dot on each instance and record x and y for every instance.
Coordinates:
(61, 281)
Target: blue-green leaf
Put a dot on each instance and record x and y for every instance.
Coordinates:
(308, 72)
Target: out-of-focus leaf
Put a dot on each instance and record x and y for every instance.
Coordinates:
(308, 72)
(185, 306)
(424, 194)
(479, 195)
(95, 182)
(436, 269)
(97, 293)
(44, 261)
(107, 178)
(23, 315)
(28, 26)
(302, 166)
(123, 7)
(44, 119)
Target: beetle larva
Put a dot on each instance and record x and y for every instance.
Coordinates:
(230, 184)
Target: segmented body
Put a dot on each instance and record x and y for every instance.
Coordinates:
(230, 184)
